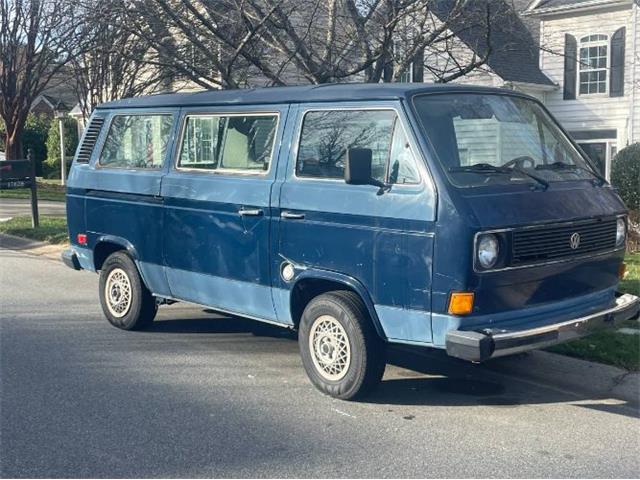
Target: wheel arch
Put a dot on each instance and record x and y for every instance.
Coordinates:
(107, 244)
(311, 282)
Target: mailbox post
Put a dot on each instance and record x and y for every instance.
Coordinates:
(35, 217)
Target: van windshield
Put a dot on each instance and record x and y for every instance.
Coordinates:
(498, 139)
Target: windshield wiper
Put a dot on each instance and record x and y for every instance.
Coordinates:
(488, 168)
(480, 168)
(558, 166)
(568, 166)
(538, 179)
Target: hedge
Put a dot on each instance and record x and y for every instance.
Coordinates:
(625, 175)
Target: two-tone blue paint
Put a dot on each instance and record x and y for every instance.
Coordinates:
(403, 252)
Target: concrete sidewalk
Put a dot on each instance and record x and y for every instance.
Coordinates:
(13, 207)
(32, 247)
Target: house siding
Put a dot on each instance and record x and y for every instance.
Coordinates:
(595, 111)
(634, 72)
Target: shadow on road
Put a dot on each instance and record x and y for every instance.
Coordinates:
(427, 377)
(219, 324)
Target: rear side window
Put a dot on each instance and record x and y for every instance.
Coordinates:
(136, 141)
(327, 136)
(228, 143)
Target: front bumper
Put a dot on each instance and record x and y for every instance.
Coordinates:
(478, 346)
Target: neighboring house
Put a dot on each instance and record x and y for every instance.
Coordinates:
(513, 60)
(59, 95)
(590, 49)
(47, 105)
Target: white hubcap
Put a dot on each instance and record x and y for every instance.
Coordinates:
(329, 347)
(117, 291)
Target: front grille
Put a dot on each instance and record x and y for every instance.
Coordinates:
(553, 242)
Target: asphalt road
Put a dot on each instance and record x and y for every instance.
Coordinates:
(12, 207)
(199, 396)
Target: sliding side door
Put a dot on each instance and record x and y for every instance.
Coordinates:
(217, 208)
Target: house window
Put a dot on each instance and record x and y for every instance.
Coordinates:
(592, 64)
(407, 75)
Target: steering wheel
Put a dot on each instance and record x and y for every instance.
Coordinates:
(520, 162)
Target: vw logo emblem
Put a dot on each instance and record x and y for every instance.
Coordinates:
(574, 241)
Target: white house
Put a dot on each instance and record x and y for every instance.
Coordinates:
(579, 57)
(590, 49)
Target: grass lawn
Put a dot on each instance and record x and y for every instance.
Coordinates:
(52, 229)
(610, 346)
(48, 189)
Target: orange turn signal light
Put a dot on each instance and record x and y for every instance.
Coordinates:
(461, 303)
(622, 270)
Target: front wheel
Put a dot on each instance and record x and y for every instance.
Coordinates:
(125, 300)
(341, 352)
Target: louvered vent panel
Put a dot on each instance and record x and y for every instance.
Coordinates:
(89, 140)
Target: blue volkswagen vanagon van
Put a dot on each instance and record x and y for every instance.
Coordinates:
(453, 217)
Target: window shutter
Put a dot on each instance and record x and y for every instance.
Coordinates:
(570, 66)
(387, 58)
(616, 78)
(418, 67)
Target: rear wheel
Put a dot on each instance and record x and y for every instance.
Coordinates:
(341, 352)
(125, 300)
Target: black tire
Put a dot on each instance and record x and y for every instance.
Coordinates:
(367, 351)
(141, 307)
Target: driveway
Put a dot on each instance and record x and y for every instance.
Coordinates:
(199, 396)
(12, 207)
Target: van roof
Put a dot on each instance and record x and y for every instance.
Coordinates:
(340, 92)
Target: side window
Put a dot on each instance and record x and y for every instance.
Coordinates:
(327, 136)
(136, 141)
(402, 163)
(234, 142)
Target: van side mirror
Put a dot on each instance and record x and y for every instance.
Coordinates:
(358, 171)
(358, 168)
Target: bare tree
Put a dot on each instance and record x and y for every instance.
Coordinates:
(311, 41)
(37, 38)
(118, 64)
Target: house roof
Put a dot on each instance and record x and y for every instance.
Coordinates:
(556, 6)
(559, 3)
(55, 102)
(514, 54)
(337, 92)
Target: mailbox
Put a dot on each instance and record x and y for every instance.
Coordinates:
(15, 174)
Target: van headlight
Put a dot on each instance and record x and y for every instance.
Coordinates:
(621, 231)
(488, 248)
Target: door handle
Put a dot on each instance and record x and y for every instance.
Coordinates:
(250, 212)
(292, 216)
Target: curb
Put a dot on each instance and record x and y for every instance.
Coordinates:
(572, 374)
(581, 379)
(32, 247)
